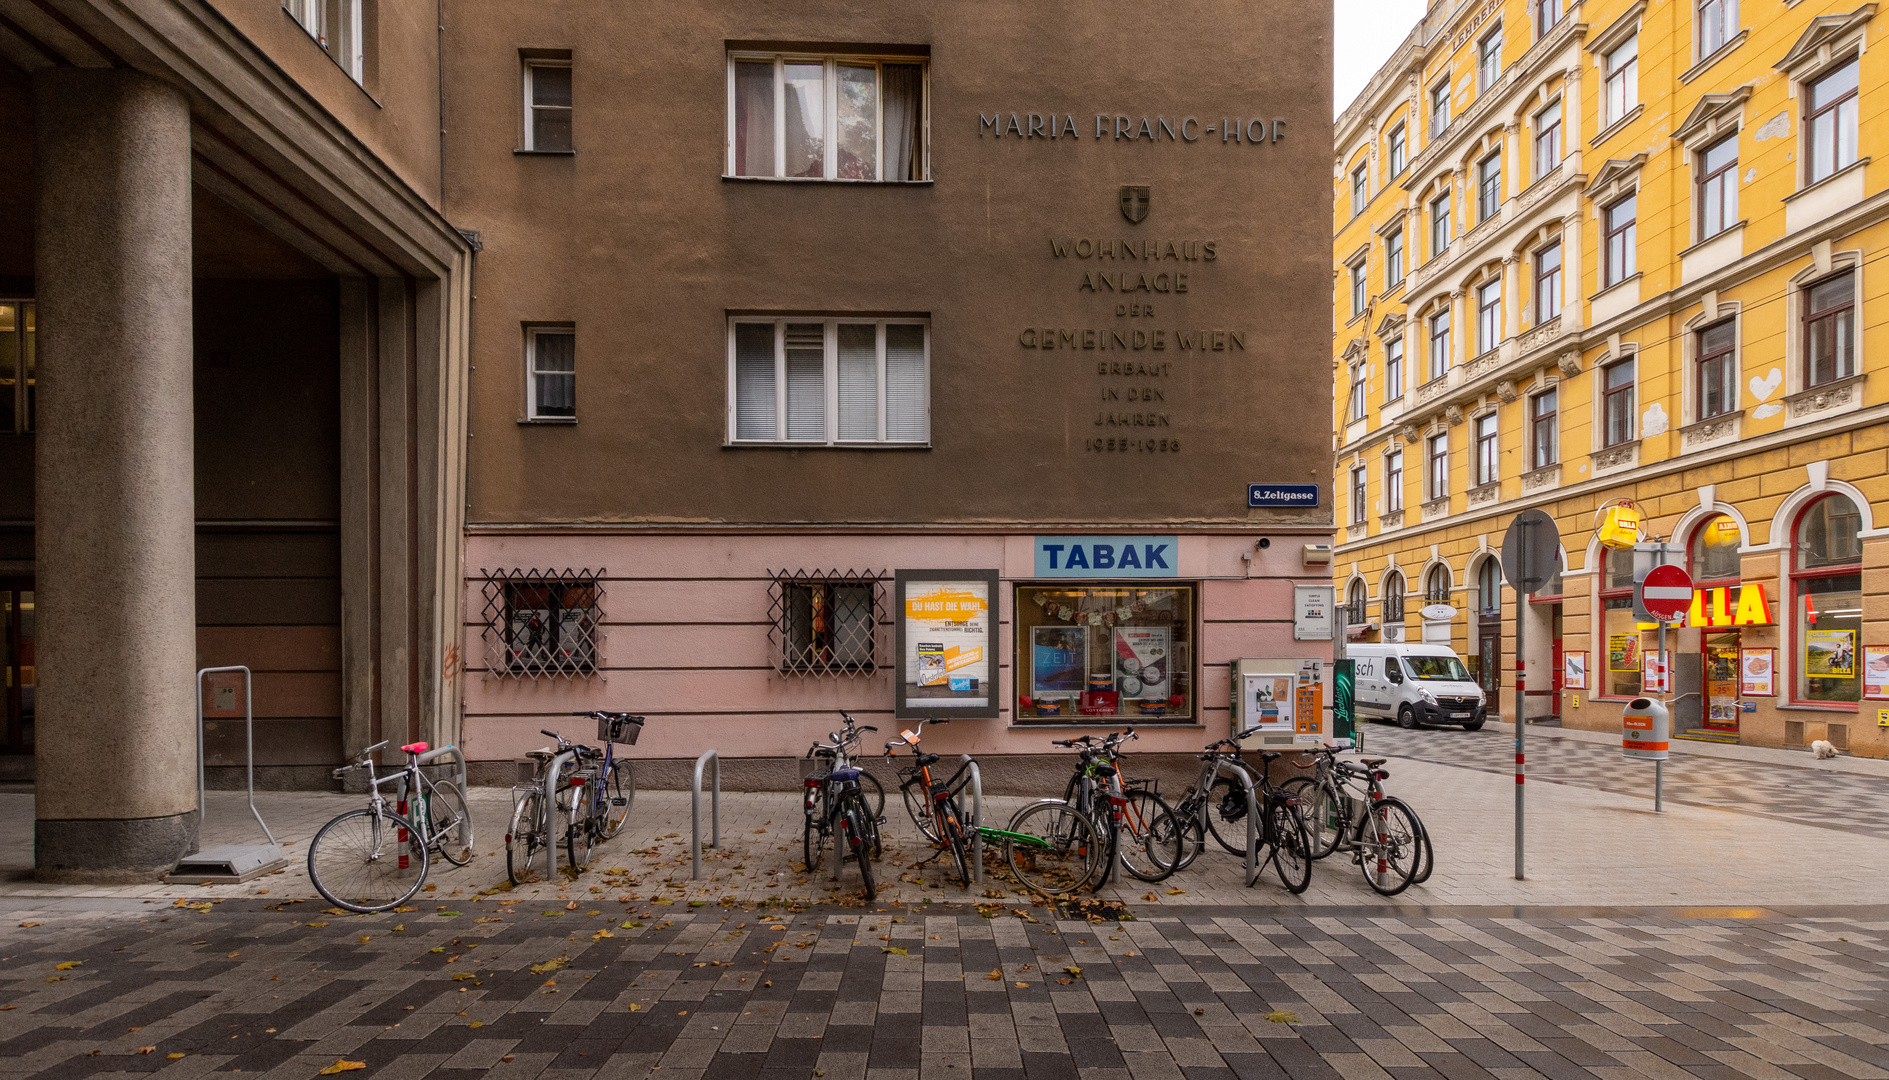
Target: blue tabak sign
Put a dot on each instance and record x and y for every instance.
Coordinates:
(1107, 556)
(1281, 495)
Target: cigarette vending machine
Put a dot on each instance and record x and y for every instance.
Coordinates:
(1283, 696)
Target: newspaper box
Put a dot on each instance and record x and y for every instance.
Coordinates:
(1646, 728)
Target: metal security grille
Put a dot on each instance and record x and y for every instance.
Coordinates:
(542, 623)
(825, 623)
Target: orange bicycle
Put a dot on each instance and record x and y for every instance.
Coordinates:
(934, 804)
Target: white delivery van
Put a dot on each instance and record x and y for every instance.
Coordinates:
(1415, 684)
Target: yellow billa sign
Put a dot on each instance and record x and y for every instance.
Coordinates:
(1714, 607)
(946, 605)
(1619, 526)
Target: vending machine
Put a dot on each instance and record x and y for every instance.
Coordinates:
(1284, 697)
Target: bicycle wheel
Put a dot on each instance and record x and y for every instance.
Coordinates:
(574, 823)
(1193, 835)
(1291, 846)
(449, 822)
(918, 805)
(619, 794)
(1426, 859)
(951, 825)
(873, 792)
(1226, 815)
(853, 823)
(525, 840)
(1051, 848)
(367, 861)
(1389, 845)
(1322, 811)
(1151, 850)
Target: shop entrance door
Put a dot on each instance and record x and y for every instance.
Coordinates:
(1720, 687)
(1489, 665)
(16, 664)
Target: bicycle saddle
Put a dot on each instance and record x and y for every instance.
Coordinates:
(1373, 762)
(928, 759)
(1268, 755)
(415, 748)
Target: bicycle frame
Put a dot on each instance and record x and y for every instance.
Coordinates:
(410, 779)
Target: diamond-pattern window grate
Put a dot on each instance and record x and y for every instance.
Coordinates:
(542, 623)
(826, 622)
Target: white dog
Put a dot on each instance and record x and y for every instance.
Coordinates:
(1823, 748)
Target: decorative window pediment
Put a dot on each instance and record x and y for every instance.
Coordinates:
(1714, 115)
(1354, 351)
(1617, 177)
(1617, 31)
(1825, 35)
(1390, 325)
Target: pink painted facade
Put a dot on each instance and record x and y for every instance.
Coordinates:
(684, 637)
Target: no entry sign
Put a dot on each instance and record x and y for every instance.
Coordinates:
(1666, 593)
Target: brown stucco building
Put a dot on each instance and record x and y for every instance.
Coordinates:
(773, 301)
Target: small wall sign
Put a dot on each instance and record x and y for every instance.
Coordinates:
(1272, 496)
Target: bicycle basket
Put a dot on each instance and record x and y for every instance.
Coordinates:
(621, 729)
(527, 771)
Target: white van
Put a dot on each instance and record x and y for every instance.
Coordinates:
(1415, 684)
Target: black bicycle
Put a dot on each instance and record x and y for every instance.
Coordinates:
(1132, 808)
(1216, 804)
(835, 806)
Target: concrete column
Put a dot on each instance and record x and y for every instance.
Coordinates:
(115, 784)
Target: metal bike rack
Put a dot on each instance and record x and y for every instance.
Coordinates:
(977, 820)
(695, 814)
(551, 773)
(432, 756)
(1227, 769)
(228, 863)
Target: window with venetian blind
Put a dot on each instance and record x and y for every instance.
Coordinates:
(829, 382)
(827, 117)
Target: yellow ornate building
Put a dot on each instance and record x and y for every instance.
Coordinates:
(1625, 250)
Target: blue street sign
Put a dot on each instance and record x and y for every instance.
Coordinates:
(1281, 495)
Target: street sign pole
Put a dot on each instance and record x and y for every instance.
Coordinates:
(1531, 553)
(1666, 690)
(1664, 592)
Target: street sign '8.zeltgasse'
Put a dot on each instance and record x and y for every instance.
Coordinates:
(1281, 495)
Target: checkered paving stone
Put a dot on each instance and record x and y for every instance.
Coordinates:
(1805, 796)
(914, 993)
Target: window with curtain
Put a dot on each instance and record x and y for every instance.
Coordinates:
(338, 27)
(1357, 497)
(1830, 123)
(827, 117)
(1354, 604)
(548, 106)
(1547, 15)
(1544, 443)
(1621, 91)
(830, 382)
(1717, 368)
(1437, 457)
(1393, 603)
(1718, 24)
(1489, 60)
(1830, 329)
(551, 364)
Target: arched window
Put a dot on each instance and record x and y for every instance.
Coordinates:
(1394, 598)
(1436, 585)
(1827, 595)
(1713, 553)
(1354, 604)
(1489, 588)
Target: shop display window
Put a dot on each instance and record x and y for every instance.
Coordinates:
(1827, 578)
(1104, 654)
(1625, 646)
(1714, 551)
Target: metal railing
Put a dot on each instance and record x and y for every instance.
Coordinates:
(249, 728)
(695, 814)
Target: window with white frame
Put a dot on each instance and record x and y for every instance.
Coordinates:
(551, 373)
(336, 26)
(1548, 283)
(1439, 224)
(1620, 238)
(1718, 24)
(1547, 15)
(1717, 365)
(1360, 195)
(1489, 186)
(1394, 368)
(827, 117)
(1489, 60)
(1393, 259)
(1357, 495)
(1359, 290)
(1548, 139)
(1355, 409)
(1437, 459)
(1393, 482)
(1488, 450)
(1830, 123)
(1439, 108)
(548, 105)
(1440, 344)
(1488, 316)
(1398, 151)
(1718, 187)
(1621, 89)
(835, 381)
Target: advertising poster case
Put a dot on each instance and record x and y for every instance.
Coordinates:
(1757, 672)
(1574, 671)
(946, 641)
(1876, 671)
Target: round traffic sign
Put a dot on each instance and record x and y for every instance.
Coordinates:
(1530, 550)
(1666, 593)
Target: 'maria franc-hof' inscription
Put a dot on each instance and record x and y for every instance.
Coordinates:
(1117, 127)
